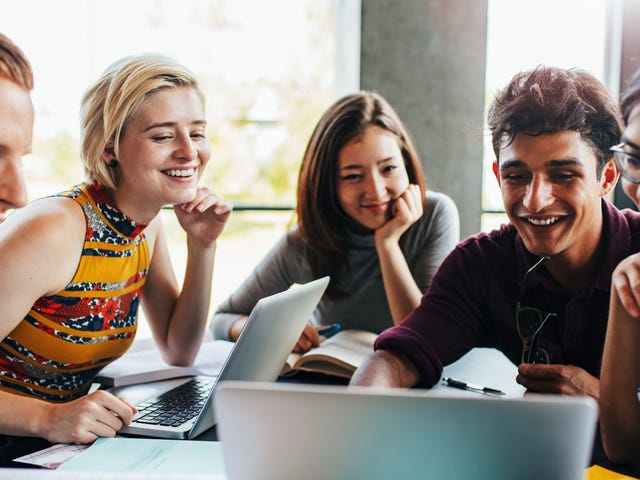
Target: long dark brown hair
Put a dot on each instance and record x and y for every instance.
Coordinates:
(631, 96)
(322, 223)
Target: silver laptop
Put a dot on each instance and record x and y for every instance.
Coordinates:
(271, 332)
(276, 431)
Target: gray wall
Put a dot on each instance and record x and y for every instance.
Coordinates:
(427, 58)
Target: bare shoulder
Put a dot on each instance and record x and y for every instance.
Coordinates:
(48, 219)
(46, 233)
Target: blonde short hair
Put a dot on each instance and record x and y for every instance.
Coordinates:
(110, 104)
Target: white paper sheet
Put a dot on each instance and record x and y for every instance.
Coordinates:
(121, 454)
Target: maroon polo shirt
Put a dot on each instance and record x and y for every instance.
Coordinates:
(472, 302)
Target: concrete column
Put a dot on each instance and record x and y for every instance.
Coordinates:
(427, 58)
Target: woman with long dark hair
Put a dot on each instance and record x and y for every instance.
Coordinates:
(364, 218)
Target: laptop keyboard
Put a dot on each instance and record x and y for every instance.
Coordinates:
(176, 406)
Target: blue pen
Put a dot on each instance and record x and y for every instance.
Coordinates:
(329, 330)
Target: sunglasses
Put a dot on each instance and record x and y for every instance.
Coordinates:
(530, 323)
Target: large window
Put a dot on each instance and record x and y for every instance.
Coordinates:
(525, 33)
(267, 69)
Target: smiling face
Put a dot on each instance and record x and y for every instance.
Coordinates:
(371, 174)
(551, 193)
(162, 154)
(631, 139)
(16, 133)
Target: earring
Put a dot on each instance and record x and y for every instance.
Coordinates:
(113, 163)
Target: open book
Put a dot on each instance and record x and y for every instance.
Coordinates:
(145, 364)
(338, 355)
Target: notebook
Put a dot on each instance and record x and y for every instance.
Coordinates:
(280, 431)
(271, 332)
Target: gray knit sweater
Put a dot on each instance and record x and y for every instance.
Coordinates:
(426, 244)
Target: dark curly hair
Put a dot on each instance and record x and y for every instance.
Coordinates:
(549, 100)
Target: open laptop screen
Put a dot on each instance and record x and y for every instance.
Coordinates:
(319, 432)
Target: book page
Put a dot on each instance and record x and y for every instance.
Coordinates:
(346, 349)
(288, 367)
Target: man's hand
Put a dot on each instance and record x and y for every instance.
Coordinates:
(560, 379)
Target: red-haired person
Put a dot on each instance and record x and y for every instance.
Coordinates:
(16, 123)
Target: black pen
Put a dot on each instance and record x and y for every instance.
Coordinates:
(471, 387)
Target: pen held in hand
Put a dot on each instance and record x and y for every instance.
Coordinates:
(450, 382)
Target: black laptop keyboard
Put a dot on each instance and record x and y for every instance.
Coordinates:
(176, 406)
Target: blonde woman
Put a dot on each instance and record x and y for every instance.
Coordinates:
(78, 264)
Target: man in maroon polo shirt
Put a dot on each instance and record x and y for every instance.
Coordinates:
(538, 288)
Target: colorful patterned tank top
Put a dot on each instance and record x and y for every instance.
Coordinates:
(66, 338)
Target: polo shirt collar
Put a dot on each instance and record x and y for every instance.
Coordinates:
(617, 244)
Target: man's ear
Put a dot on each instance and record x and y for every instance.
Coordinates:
(608, 177)
(496, 171)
